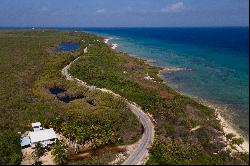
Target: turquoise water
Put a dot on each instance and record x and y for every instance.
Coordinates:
(217, 58)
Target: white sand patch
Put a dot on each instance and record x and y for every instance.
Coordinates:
(228, 128)
(48, 159)
(195, 128)
(107, 40)
(114, 46)
(148, 78)
(28, 159)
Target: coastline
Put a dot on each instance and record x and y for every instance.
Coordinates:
(113, 45)
(227, 126)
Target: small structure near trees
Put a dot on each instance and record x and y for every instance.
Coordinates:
(36, 126)
(45, 137)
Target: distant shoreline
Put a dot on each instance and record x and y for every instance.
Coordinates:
(113, 46)
(80, 28)
(228, 127)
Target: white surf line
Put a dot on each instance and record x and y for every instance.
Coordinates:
(140, 154)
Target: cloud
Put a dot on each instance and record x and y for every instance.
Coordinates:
(100, 11)
(174, 8)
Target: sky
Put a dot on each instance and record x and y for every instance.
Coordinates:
(123, 13)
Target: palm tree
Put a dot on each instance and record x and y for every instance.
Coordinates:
(38, 152)
(59, 151)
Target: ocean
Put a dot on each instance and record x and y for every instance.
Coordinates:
(211, 64)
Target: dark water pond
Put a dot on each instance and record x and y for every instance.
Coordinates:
(67, 99)
(59, 93)
(56, 90)
(67, 46)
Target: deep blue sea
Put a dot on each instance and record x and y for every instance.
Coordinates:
(217, 59)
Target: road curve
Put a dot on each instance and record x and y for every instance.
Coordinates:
(140, 154)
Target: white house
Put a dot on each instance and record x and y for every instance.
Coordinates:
(39, 135)
(45, 137)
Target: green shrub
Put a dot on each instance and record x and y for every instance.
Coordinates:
(59, 151)
(10, 148)
(230, 136)
(237, 141)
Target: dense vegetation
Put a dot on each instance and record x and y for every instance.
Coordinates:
(175, 114)
(29, 67)
(10, 150)
(60, 152)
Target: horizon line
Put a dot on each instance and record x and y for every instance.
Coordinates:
(55, 27)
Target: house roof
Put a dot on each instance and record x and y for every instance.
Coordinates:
(36, 124)
(42, 135)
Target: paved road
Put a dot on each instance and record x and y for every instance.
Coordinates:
(139, 155)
